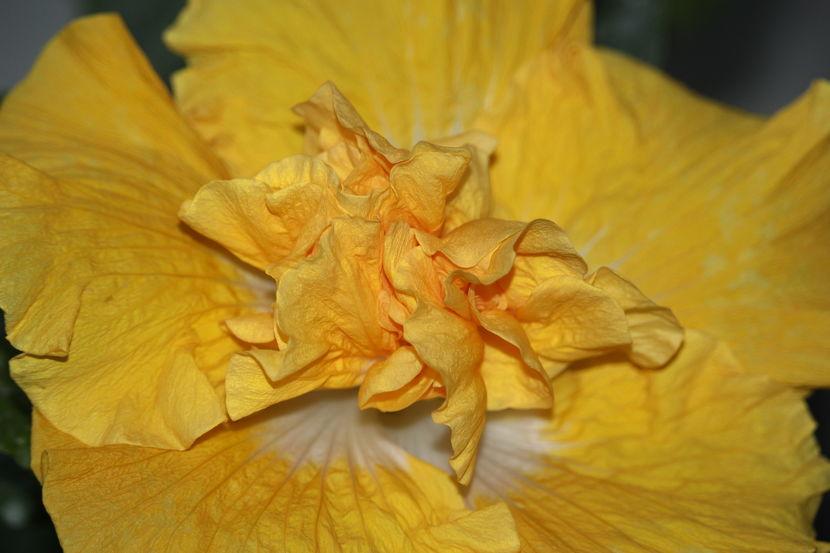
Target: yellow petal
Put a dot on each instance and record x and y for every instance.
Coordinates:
(415, 71)
(567, 319)
(139, 169)
(254, 329)
(423, 182)
(256, 379)
(716, 213)
(327, 307)
(451, 346)
(312, 475)
(118, 307)
(471, 200)
(698, 456)
(141, 384)
(274, 218)
(655, 333)
(397, 382)
(510, 383)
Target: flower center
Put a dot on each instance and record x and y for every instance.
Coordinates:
(392, 278)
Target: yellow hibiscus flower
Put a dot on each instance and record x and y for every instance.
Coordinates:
(217, 309)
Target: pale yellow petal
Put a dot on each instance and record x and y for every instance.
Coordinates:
(698, 456)
(720, 215)
(414, 70)
(118, 307)
(254, 382)
(452, 347)
(313, 475)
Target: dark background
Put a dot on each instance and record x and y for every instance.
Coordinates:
(755, 54)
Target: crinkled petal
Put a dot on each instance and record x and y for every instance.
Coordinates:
(313, 475)
(398, 382)
(718, 214)
(655, 333)
(117, 306)
(327, 318)
(452, 347)
(415, 70)
(471, 200)
(567, 319)
(274, 218)
(512, 372)
(698, 456)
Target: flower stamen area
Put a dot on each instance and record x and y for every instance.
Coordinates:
(391, 277)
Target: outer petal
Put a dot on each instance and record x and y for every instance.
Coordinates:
(415, 70)
(712, 212)
(94, 262)
(313, 475)
(699, 456)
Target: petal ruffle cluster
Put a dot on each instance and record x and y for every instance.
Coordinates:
(389, 277)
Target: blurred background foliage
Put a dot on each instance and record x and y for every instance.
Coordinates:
(724, 49)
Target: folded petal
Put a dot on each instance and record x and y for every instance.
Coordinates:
(398, 382)
(93, 260)
(717, 213)
(655, 333)
(452, 347)
(313, 475)
(327, 306)
(273, 218)
(700, 455)
(414, 70)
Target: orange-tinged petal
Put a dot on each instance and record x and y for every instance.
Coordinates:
(312, 475)
(718, 214)
(423, 182)
(655, 333)
(699, 456)
(118, 307)
(328, 305)
(398, 382)
(567, 319)
(415, 71)
(509, 381)
(272, 219)
(452, 347)
(254, 329)
(471, 200)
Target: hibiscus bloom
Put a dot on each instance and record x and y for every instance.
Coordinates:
(217, 308)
